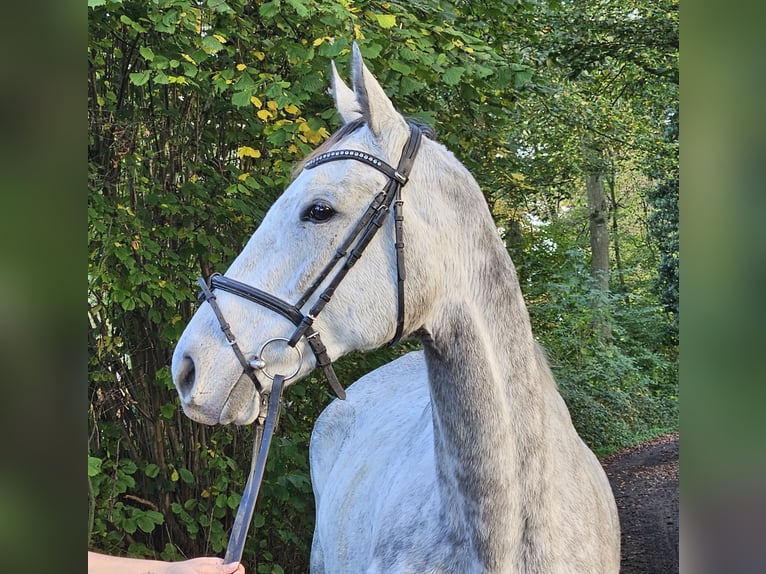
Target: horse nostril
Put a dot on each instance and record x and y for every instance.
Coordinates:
(186, 377)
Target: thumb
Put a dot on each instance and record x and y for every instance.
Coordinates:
(231, 567)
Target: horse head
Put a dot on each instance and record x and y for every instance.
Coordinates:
(307, 227)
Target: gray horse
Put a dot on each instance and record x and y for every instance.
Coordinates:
(459, 458)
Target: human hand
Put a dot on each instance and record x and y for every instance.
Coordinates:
(205, 565)
(105, 564)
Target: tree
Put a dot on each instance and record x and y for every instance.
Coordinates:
(663, 220)
(598, 223)
(606, 74)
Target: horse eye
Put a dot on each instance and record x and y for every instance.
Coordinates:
(318, 213)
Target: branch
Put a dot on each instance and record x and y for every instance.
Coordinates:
(143, 501)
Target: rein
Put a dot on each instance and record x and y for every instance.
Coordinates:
(351, 249)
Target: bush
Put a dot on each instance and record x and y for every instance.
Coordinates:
(621, 388)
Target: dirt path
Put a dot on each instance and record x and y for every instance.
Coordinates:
(645, 483)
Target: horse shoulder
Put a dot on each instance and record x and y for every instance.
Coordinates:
(374, 392)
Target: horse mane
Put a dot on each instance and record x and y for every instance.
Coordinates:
(346, 130)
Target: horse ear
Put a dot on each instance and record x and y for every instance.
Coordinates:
(345, 99)
(375, 105)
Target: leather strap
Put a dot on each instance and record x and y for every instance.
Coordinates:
(392, 194)
(401, 273)
(211, 299)
(257, 468)
(324, 362)
(290, 312)
(357, 155)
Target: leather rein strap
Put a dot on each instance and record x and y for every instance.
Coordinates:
(263, 436)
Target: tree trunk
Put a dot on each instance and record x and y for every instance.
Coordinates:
(615, 234)
(598, 215)
(599, 231)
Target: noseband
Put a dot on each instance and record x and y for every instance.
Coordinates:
(351, 249)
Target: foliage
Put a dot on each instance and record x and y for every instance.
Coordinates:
(623, 387)
(618, 390)
(663, 221)
(197, 113)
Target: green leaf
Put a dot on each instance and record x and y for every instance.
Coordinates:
(129, 525)
(452, 75)
(241, 99)
(483, 71)
(211, 44)
(504, 77)
(146, 53)
(94, 465)
(152, 470)
(145, 523)
(386, 20)
(160, 62)
(300, 7)
(133, 24)
(140, 78)
(522, 78)
(372, 50)
(155, 516)
(190, 70)
(244, 82)
(168, 411)
(186, 476)
(220, 6)
(233, 500)
(269, 9)
(400, 67)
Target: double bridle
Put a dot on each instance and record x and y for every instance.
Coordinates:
(351, 250)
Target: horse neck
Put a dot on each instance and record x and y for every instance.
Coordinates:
(488, 387)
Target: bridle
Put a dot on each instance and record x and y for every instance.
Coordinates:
(349, 251)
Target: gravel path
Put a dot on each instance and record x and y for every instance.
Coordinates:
(645, 483)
